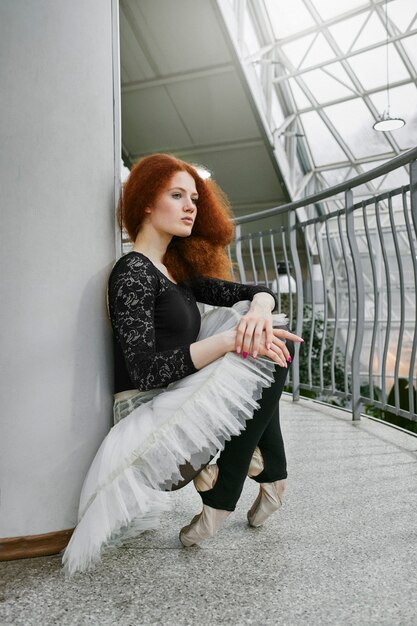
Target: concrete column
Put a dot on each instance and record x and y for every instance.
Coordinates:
(57, 246)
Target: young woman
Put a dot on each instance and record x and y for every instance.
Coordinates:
(186, 387)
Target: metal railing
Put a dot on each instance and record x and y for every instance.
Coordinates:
(352, 254)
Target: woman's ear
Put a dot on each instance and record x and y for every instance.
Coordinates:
(148, 210)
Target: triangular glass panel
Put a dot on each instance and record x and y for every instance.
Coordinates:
(401, 12)
(323, 87)
(344, 32)
(330, 8)
(320, 51)
(371, 66)
(323, 145)
(336, 176)
(288, 19)
(339, 73)
(373, 32)
(410, 46)
(296, 50)
(353, 121)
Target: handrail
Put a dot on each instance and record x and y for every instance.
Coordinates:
(381, 170)
(354, 288)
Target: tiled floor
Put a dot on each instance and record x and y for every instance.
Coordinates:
(341, 551)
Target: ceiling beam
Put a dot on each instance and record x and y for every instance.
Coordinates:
(150, 83)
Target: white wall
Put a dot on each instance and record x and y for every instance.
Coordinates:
(57, 246)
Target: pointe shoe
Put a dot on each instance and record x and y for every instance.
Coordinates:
(256, 464)
(202, 526)
(206, 479)
(268, 501)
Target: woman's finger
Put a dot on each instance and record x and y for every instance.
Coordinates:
(257, 337)
(281, 344)
(248, 337)
(268, 333)
(285, 334)
(276, 355)
(240, 333)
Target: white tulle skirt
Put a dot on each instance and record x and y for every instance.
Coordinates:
(125, 491)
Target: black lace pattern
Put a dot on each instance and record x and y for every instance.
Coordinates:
(133, 290)
(224, 292)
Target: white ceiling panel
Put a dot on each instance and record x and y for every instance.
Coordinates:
(135, 65)
(151, 123)
(214, 108)
(244, 173)
(180, 34)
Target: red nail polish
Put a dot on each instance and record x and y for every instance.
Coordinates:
(289, 359)
(245, 355)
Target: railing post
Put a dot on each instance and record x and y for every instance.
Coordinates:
(292, 220)
(413, 193)
(239, 255)
(360, 306)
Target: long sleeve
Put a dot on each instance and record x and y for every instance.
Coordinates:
(224, 292)
(133, 289)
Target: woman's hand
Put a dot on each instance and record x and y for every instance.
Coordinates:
(256, 326)
(278, 351)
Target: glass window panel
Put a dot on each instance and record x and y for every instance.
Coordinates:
(401, 12)
(410, 46)
(320, 51)
(330, 8)
(403, 104)
(323, 145)
(300, 98)
(353, 120)
(396, 178)
(296, 50)
(344, 32)
(323, 87)
(338, 71)
(414, 22)
(371, 67)
(336, 176)
(373, 32)
(367, 167)
(287, 19)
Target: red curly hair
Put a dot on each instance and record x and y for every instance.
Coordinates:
(203, 252)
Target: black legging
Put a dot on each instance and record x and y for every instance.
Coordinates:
(262, 430)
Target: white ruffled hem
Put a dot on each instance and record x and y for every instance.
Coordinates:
(189, 421)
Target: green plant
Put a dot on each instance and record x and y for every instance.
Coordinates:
(316, 340)
(404, 403)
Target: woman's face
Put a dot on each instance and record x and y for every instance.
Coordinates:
(174, 209)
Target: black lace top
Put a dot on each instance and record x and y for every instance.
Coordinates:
(155, 320)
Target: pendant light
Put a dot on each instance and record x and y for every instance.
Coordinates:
(385, 122)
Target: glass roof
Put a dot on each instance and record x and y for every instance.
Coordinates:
(328, 63)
